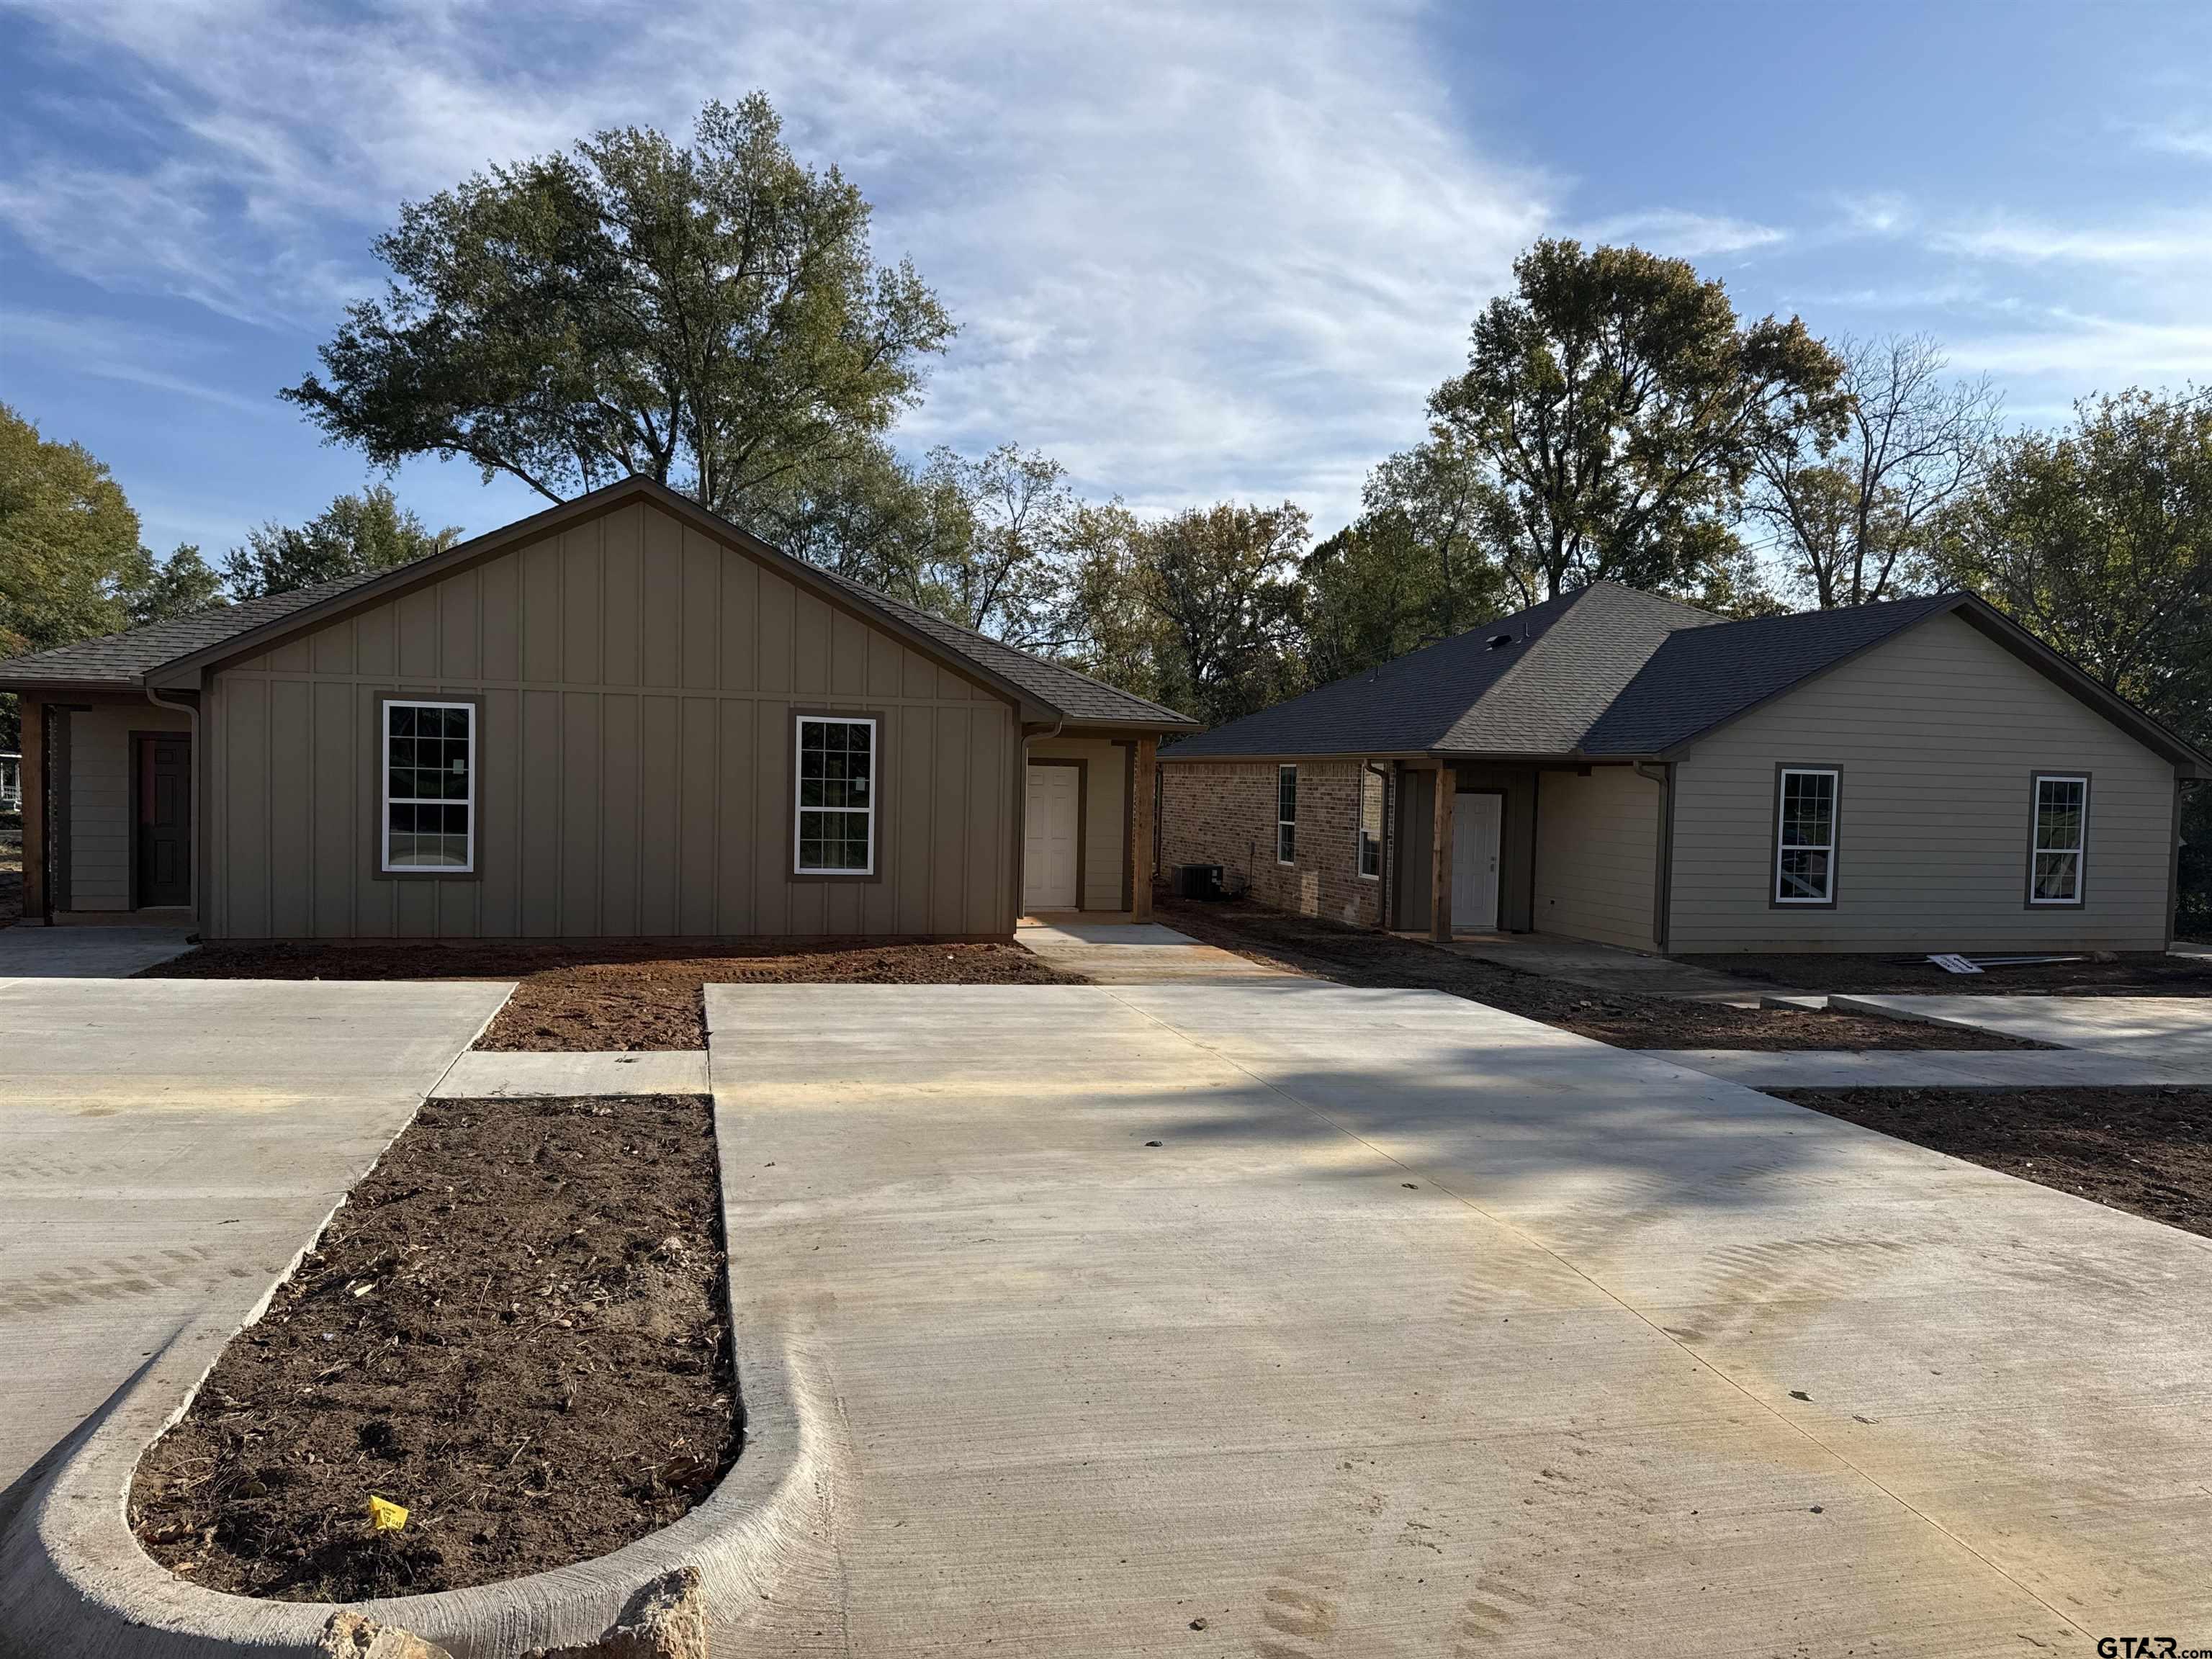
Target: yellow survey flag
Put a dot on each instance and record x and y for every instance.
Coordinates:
(384, 1516)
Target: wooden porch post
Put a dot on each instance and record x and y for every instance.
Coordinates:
(34, 806)
(1140, 828)
(1440, 857)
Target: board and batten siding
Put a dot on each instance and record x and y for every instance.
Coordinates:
(1937, 735)
(637, 681)
(100, 844)
(1597, 856)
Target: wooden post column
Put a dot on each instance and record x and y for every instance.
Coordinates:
(1440, 857)
(34, 806)
(1143, 784)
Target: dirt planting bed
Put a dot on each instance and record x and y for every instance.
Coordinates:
(1354, 955)
(633, 995)
(516, 1327)
(2143, 972)
(2147, 1152)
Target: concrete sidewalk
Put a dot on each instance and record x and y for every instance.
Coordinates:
(490, 1073)
(166, 1146)
(1138, 953)
(1289, 1318)
(32, 952)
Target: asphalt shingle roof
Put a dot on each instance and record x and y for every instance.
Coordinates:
(1701, 677)
(120, 659)
(1526, 683)
(1074, 693)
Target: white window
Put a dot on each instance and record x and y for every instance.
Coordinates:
(1371, 823)
(1286, 814)
(430, 786)
(1805, 836)
(835, 833)
(2061, 838)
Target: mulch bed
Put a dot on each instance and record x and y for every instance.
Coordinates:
(2147, 1152)
(1357, 955)
(516, 1327)
(629, 995)
(2139, 973)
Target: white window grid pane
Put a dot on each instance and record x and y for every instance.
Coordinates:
(429, 786)
(834, 821)
(1805, 838)
(2060, 840)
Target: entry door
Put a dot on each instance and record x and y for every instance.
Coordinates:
(1476, 822)
(165, 820)
(1048, 864)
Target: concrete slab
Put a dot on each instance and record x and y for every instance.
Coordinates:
(1380, 1322)
(1609, 968)
(166, 1146)
(482, 1074)
(85, 952)
(1917, 1069)
(1139, 953)
(2170, 1031)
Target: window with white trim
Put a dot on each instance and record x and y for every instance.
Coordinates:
(429, 787)
(1371, 823)
(1286, 814)
(1805, 835)
(2061, 839)
(834, 831)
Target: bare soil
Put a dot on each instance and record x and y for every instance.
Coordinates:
(628, 995)
(1359, 956)
(2144, 972)
(516, 1327)
(2147, 1152)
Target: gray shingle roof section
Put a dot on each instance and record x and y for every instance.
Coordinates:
(120, 659)
(1563, 662)
(1074, 693)
(1701, 677)
(1568, 678)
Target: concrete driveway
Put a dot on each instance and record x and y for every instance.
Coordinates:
(1427, 1330)
(167, 1145)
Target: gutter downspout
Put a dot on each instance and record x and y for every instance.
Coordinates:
(192, 714)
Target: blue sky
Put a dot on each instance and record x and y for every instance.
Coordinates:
(1196, 252)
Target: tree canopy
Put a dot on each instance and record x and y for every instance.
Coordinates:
(1612, 412)
(69, 541)
(354, 535)
(710, 316)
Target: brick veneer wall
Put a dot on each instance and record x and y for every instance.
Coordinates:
(1224, 812)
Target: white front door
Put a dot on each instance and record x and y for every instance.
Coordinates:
(1476, 822)
(1050, 839)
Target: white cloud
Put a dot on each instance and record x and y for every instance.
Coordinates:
(1195, 252)
(2089, 352)
(1685, 236)
(124, 352)
(2161, 240)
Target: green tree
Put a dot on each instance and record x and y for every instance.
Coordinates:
(1612, 412)
(352, 536)
(1222, 584)
(708, 316)
(69, 541)
(156, 590)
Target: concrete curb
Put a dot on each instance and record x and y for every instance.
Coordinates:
(74, 1583)
(1881, 1010)
(493, 1074)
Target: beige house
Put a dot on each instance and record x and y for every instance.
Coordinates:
(622, 717)
(1919, 776)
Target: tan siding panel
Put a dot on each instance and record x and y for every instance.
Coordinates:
(1597, 849)
(609, 813)
(1937, 734)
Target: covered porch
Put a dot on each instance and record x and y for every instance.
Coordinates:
(1087, 827)
(108, 810)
